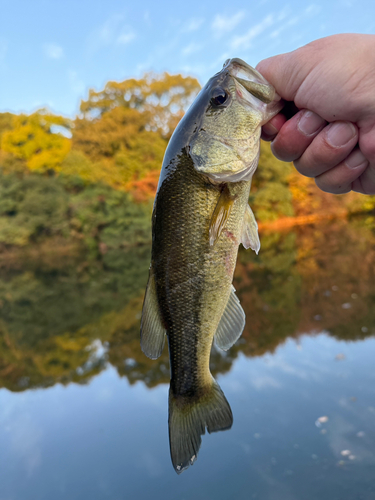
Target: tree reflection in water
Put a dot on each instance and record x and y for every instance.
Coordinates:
(64, 321)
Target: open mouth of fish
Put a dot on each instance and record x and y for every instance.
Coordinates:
(252, 80)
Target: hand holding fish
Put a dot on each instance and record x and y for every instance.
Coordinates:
(331, 135)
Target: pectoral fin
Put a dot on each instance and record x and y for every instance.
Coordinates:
(231, 324)
(221, 215)
(152, 329)
(249, 235)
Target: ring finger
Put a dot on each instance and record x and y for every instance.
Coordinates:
(329, 148)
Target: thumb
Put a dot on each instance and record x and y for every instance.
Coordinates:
(285, 73)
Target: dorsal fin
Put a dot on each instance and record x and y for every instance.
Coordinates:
(152, 328)
(231, 324)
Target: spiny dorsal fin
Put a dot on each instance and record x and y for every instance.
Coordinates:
(221, 215)
(231, 324)
(249, 235)
(152, 329)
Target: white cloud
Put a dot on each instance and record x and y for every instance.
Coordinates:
(193, 24)
(53, 51)
(226, 24)
(285, 26)
(191, 49)
(302, 16)
(114, 31)
(245, 40)
(125, 37)
(26, 436)
(76, 84)
(147, 17)
(263, 381)
(312, 9)
(109, 29)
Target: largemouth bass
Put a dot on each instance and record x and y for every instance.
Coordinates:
(201, 215)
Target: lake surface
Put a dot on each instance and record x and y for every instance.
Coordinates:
(83, 413)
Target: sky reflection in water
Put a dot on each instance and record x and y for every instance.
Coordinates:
(83, 413)
(109, 439)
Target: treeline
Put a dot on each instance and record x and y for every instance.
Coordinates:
(64, 320)
(92, 180)
(119, 138)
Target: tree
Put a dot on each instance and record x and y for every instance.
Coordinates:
(37, 138)
(162, 99)
(270, 196)
(121, 148)
(6, 123)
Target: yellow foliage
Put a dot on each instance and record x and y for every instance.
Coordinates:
(120, 146)
(163, 98)
(32, 139)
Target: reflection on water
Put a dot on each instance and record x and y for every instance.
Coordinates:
(78, 321)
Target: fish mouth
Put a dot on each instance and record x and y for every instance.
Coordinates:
(251, 80)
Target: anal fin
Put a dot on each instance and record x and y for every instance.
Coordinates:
(249, 235)
(152, 329)
(231, 324)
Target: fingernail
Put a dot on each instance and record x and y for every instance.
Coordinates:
(340, 133)
(310, 123)
(269, 129)
(356, 159)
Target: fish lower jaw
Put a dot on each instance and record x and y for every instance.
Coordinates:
(225, 177)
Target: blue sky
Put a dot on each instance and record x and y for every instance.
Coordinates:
(52, 52)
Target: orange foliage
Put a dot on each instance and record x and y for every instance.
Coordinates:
(144, 189)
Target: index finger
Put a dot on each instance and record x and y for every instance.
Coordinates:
(272, 128)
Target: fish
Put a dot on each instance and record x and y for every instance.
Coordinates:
(200, 216)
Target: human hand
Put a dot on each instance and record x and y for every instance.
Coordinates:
(331, 133)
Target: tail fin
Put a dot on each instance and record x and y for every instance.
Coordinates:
(188, 419)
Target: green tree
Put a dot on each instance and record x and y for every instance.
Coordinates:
(270, 196)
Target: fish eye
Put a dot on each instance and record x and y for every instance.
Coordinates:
(218, 96)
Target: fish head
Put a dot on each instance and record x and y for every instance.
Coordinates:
(233, 106)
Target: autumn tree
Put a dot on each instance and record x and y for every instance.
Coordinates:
(39, 138)
(6, 123)
(121, 136)
(124, 130)
(162, 99)
(270, 196)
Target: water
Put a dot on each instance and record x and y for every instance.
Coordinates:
(83, 413)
